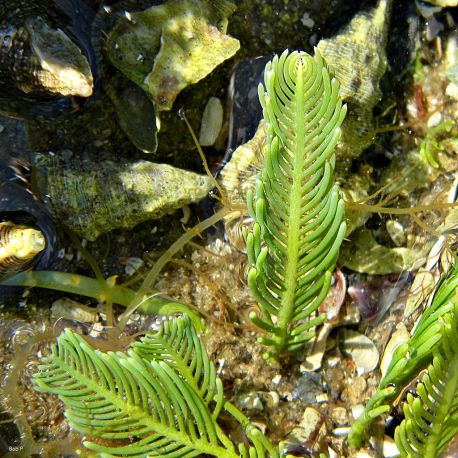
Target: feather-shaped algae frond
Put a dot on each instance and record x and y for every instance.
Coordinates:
(161, 398)
(413, 356)
(431, 417)
(297, 208)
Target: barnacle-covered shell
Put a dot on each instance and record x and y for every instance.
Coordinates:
(94, 198)
(36, 54)
(168, 47)
(239, 174)
(236, 178)
(358, 59)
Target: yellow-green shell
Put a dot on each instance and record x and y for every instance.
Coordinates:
(94, 198)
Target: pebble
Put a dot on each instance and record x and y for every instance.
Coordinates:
(212, 121)
(361, 349)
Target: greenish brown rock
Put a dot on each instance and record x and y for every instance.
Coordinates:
(94, 198)
(363, 254)
(168, 47)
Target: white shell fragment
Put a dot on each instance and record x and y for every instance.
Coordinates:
(360, 348)
(357, 57)
(73, 310)
(212, 121)
(400, 336)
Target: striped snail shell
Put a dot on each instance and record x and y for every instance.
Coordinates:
(92, 198)
(27, 233)
(18, 246)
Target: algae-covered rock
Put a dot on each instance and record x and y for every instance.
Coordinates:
(94, 198)
(357, 56)
(363, 254)
(168, 47)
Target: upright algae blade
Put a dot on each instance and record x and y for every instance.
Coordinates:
(297, 208)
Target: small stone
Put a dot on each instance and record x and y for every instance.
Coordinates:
(321, 398)
(390, 450)
(132, 265)
(434, 120)
(452, 90)
(339, 416)
(96, 330)
(363, 454)
(360, 348)
(307, 20)
(311, 425)
(308, 387)
(357, 410)
(341, 431)
(251, 401)
(354, 391)
(271, 399)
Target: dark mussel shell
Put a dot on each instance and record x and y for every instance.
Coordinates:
(245, 109)
(19, 206)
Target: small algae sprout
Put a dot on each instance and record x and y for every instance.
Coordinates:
(432, 145)
(298, 209)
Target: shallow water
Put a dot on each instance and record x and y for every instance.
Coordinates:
(388, 262)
